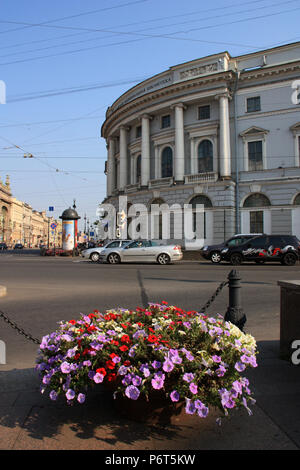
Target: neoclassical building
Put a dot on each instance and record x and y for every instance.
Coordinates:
(20, 223)
(220, 131)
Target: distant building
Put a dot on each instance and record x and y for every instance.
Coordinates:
(20, 223)
(221, 131)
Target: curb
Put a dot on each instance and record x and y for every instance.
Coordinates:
(3, 291)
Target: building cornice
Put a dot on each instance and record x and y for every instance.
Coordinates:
(138, 105)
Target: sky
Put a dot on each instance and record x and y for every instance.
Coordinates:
(64, 62)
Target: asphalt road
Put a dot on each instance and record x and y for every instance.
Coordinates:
(41, 291)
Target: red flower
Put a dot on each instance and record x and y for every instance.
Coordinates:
(101, 371)
(111, 377)
(127, 363)
(124, 348)
(125, 339)
(164, 302)
(152, 339)
(76, 357)
(110, 364)
(124, 326)
(91, 328)
(73, 322)
(114, 342)
(112, 355)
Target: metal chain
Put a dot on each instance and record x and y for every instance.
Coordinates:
(19, 330)
(211, 300)
(36, 341)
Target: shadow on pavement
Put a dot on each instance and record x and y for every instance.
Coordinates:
(29, 420)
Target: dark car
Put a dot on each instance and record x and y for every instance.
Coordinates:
(18, 246)
(213, 252)
(282, 248)
(3, 246)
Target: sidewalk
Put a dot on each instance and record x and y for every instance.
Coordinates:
(29, 420)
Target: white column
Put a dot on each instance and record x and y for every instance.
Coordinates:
(145, 166)
(123, 158)
(110, 178)
(179, 143)
(225, 152)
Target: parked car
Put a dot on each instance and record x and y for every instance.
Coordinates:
(53, 251)
(18, 246)
(142, 251)
(3, 246)
(213, 252)
(94, 253)
(282, 248)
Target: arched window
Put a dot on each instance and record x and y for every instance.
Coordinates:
(256, 200)
(257, 223)
(138, 168)
(297, 200)
(167, 162)
(201, 199)
(200, 217)
(205, 156)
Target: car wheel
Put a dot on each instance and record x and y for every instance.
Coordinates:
(114, 258)
(289, 259)
(215, 257)
(236, 259)
(163, 258)
(95, 257)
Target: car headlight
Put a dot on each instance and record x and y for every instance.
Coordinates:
(205, 248)
(224, 250)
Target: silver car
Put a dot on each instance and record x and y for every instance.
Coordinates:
(142, 251)
(94, 253)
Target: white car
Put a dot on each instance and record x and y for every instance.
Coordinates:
(142, 251)
(94, 253)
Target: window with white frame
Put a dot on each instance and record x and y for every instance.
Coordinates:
(255, 155)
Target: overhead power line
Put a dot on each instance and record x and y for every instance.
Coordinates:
(142, 36)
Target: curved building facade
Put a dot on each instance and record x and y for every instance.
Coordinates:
(220, 130)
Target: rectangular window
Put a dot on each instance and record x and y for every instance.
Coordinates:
(255, 156)
(257, 221)
(138, 132)
(165, 121)
(253, 104)
(204, 112)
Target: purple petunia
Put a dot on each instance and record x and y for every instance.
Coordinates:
(239, 366)
(168, 365)
(53, 395)
(98, 378)
(193, 388)
(81, 398)
(132, 392)
(190, 407)
(158, 381)
(65, 367)
(188, 377)
(70, 394)
(174, 396)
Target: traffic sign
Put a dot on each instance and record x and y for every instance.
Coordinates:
(51, 209)
(53, 226)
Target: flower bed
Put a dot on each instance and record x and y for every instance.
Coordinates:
(189, 358)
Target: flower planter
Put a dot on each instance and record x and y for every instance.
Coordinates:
(184, 362)
(156, 410)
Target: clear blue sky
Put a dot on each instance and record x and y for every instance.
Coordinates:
(98, 50)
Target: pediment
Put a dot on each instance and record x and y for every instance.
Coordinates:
(254, 130)
(295, 127)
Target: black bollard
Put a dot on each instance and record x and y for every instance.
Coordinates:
(235, 313)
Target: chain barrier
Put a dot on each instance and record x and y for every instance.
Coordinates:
(213, 297)
(36, 341)
(19, 330)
